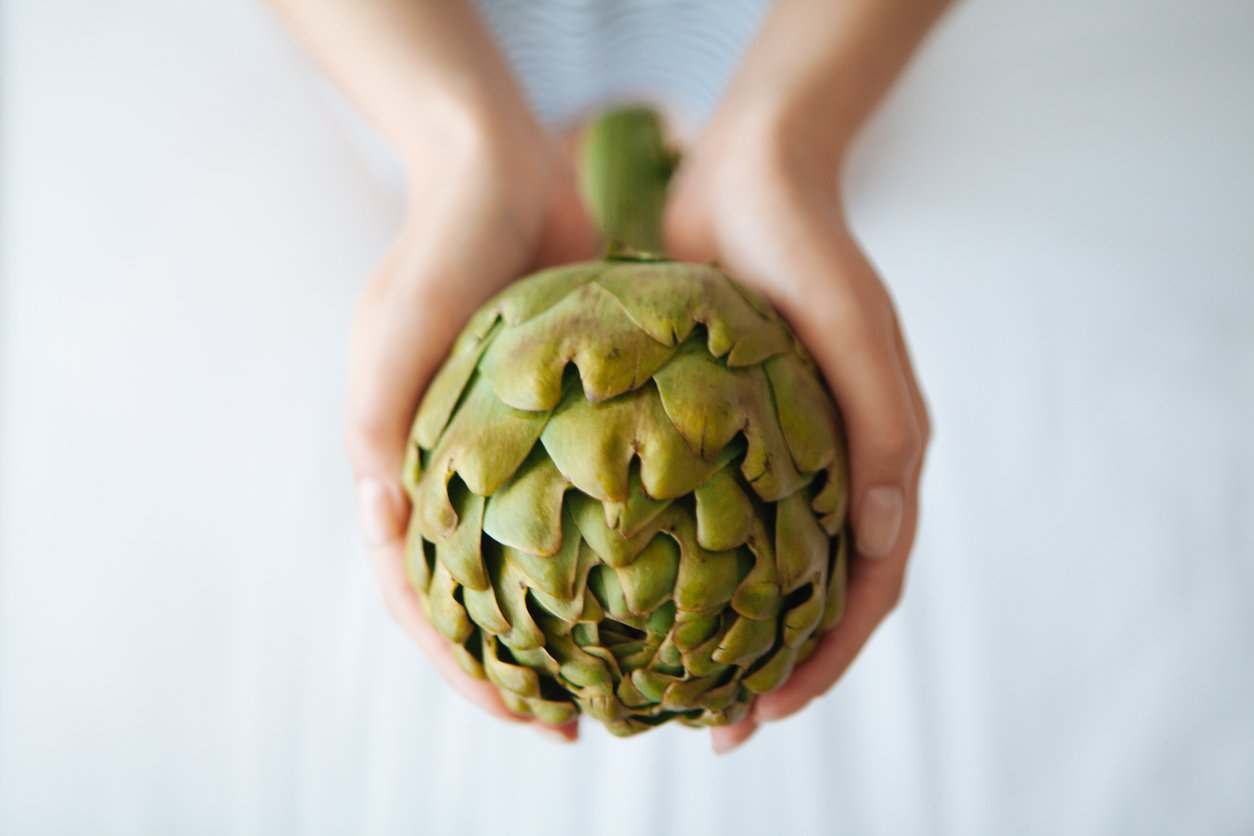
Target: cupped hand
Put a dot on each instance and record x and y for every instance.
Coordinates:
(755, 197)
(487, 201)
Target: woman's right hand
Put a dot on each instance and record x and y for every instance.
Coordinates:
(490, 197)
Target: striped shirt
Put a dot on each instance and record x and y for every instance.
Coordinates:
(575, 56)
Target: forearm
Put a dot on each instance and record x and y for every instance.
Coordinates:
(408, 64)
(818, 69)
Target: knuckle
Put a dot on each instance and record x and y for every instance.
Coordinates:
(381, 283)
(858, 325)
(898, 444)
(392, 602)
(925, 418)
(363, 439)
(373, 300)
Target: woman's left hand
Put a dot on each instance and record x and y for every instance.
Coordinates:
(755, 197)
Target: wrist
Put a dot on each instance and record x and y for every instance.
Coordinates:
(796, 132)
(458, 124)
(818, 70)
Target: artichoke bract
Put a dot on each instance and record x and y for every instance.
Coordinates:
(629, 482)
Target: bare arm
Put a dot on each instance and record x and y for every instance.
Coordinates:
(409, 64)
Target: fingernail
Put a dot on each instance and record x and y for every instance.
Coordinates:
(378, 511)
(879, 521)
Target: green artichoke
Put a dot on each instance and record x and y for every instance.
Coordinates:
(628, 479)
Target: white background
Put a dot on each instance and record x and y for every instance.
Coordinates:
(1061, 196)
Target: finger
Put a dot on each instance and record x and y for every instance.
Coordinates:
(724, 739)
(856, 340)
(376, 432)
(875, 587)
(568, 733)
(402, 601)
(389, 367)
(853, 336)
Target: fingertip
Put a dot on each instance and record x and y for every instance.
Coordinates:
(725, 739)
(557, 734)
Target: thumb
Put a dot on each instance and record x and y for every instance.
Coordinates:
(388, 370)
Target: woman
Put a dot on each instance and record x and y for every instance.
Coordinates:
(491, 195)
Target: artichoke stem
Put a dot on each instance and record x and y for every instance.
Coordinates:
(625, 168)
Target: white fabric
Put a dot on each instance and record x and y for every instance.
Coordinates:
(191, 642)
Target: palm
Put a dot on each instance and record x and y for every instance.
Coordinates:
(782, 232)
(470, 231)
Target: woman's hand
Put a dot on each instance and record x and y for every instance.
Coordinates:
(760, 194)
(487, 202)
(490, 197)
(763, 201)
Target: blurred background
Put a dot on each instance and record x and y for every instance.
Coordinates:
(1060, 196)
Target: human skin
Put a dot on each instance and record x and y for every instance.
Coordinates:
(491, 196)
(760, 192)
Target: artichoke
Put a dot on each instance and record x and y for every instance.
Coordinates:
(628, 480)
